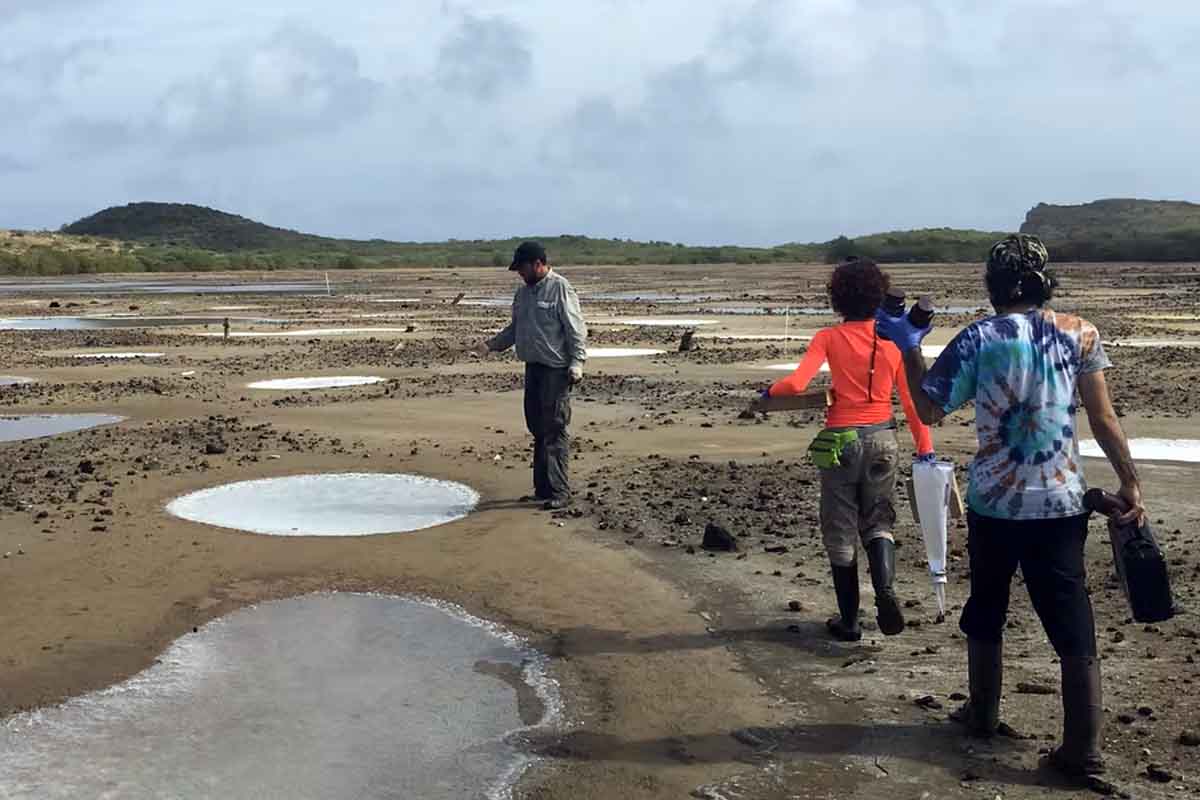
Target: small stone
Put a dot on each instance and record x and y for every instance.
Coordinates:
(794, 605)
(928, 702)
(1190, 738)
(1159, 773)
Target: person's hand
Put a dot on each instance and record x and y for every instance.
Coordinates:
(575, 373)
(899, 330)
(925, 458)
(760, 399)
(481, 349)
(1132, 495)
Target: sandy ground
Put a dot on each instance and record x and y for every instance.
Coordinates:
(686, 673)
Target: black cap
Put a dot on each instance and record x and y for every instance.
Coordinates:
(527, 253)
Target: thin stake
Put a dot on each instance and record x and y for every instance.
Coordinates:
(328, 290)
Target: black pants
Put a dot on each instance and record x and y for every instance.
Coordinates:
(1050, 555)
(547, 415)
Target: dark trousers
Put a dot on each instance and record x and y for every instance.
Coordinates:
(547, 415)
(1050, 555)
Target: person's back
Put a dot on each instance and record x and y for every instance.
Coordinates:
(1022, 370)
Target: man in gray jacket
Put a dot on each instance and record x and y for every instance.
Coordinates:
(548, 330)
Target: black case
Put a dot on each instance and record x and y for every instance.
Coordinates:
(1142, 571)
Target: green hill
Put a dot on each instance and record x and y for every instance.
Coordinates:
(1118, 230)
(186, 225)
(155, 237)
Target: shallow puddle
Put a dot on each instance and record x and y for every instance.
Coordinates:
(115, 322)
(326, 382)
(345, 504)
(14, 380)
(321, 696)
(621, 352)
(663, 322)
(650, 297)
(157, 287)
(35, 426)
(1187, 450)
(305, 332)
(118, 355)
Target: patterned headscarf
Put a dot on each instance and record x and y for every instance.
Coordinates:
(1015, 258)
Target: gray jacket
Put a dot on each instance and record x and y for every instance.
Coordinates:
(547, 325)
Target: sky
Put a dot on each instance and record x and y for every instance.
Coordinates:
(719, 122)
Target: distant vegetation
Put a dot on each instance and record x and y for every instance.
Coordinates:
(1118, 230)
(165, 237)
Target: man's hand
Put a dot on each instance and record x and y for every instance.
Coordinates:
(898, 329)
(925, 458)
(1132, 495)
(481, 349)
(575, 373)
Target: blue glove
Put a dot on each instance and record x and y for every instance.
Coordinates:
(764, 394)
(926, 458)
(899, 330)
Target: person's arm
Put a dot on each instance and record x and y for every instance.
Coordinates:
(1093, 391)
(505, 338)
(808, 367)
(927, 411)
(574, 330)
(922, 436)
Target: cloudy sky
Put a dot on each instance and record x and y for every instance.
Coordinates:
(723, 121)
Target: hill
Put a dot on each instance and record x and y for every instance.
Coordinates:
(186, 225)
(1118, 230)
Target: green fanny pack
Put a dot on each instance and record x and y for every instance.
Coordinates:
(826, 450)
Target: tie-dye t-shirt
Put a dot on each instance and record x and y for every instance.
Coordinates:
(1021, 371)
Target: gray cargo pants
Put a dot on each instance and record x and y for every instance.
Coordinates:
(547, 415)
(857, 498)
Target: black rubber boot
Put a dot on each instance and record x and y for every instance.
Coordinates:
(1083, 716)
(985, 669)
(845, 586)
(881, 555)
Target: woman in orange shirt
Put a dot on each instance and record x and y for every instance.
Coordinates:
(857, 495)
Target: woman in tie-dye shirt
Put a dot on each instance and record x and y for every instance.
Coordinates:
(1022, 368)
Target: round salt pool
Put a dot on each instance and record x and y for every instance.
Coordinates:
(14, 380)
(328, 695)
(35, 426)
(326, 382)
(621, 352)
(1187, 450)
(346, 504)
(118, 355)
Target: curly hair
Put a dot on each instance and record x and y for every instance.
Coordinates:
(856, 288)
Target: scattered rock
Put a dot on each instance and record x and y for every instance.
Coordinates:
(717, 538)
(928, 702)
(794, 606)
(1159, 774)
(215, 448)
(1190, 738)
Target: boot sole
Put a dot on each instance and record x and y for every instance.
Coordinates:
(889, 616)
(841, 632)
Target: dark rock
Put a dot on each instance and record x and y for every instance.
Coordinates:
(86, 467)
(1190, 738)
(928, 702)
(794, 605)
(688, 342)
(215, 448)
(776, 548)
(717, 538)
(1026, 687)
(1159, 773)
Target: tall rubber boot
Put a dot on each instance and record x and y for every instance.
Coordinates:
(845, 586)
(985, 671)
(881, 555)
(1083, 716)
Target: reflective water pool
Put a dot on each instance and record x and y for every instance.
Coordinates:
(321, 696)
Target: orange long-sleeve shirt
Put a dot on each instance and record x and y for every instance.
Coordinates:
(847, 348)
